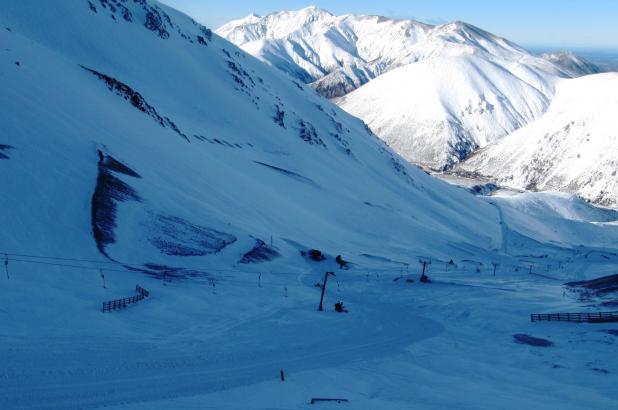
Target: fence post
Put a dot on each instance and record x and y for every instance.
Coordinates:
(6, 266)
(324, 288)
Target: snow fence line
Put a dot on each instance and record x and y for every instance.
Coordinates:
(599, 317)
(118, 304)
(318, 400)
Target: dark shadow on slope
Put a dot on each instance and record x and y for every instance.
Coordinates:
(168, 273)
(3, 151)
(261, 252)
(178, 237)
(136, 100)
(600, 286)
(308, 133)
(531, 340)
(109, 191)
(291, 174)
(483, 189)
(153, 18)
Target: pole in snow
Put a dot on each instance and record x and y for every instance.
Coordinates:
(424, 278)
(320, 308)
(6, 266)
(495, 266)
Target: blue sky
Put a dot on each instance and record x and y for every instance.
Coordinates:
(541, 23)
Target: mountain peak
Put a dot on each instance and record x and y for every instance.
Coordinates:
(570, 63)
(306, 15)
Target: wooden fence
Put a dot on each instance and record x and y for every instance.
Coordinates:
(124, 302)
(599, 317)
(318, 400)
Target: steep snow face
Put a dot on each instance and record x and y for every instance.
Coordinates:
(132, 133)
(438, 111)
(571, 64)
(463, 88)
(338, 53)
(572, 148)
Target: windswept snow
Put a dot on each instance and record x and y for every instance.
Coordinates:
(572, 148)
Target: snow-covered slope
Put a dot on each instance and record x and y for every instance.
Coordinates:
(571, 64)
(152, 141)
(450, 89)
(138, 148)
(335, 53)
(572, 148)
(437, 111)
(457, 87)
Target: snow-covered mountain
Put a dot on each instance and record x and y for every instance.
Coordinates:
(438, 111)
(571, 64)
(175, 147)
(139, 148)
(449, 89)
(337, 54)
(572, 148)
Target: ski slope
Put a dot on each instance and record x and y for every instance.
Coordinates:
(140, 148)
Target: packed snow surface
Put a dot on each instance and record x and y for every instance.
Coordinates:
(572, 148)
(140, 148)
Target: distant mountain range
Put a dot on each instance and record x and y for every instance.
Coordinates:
(570, 63)
(433, 93)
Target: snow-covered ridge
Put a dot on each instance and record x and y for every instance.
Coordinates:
(438, 111)
(340, 53)
(448, 89)
(572, 148)
(572, 64)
